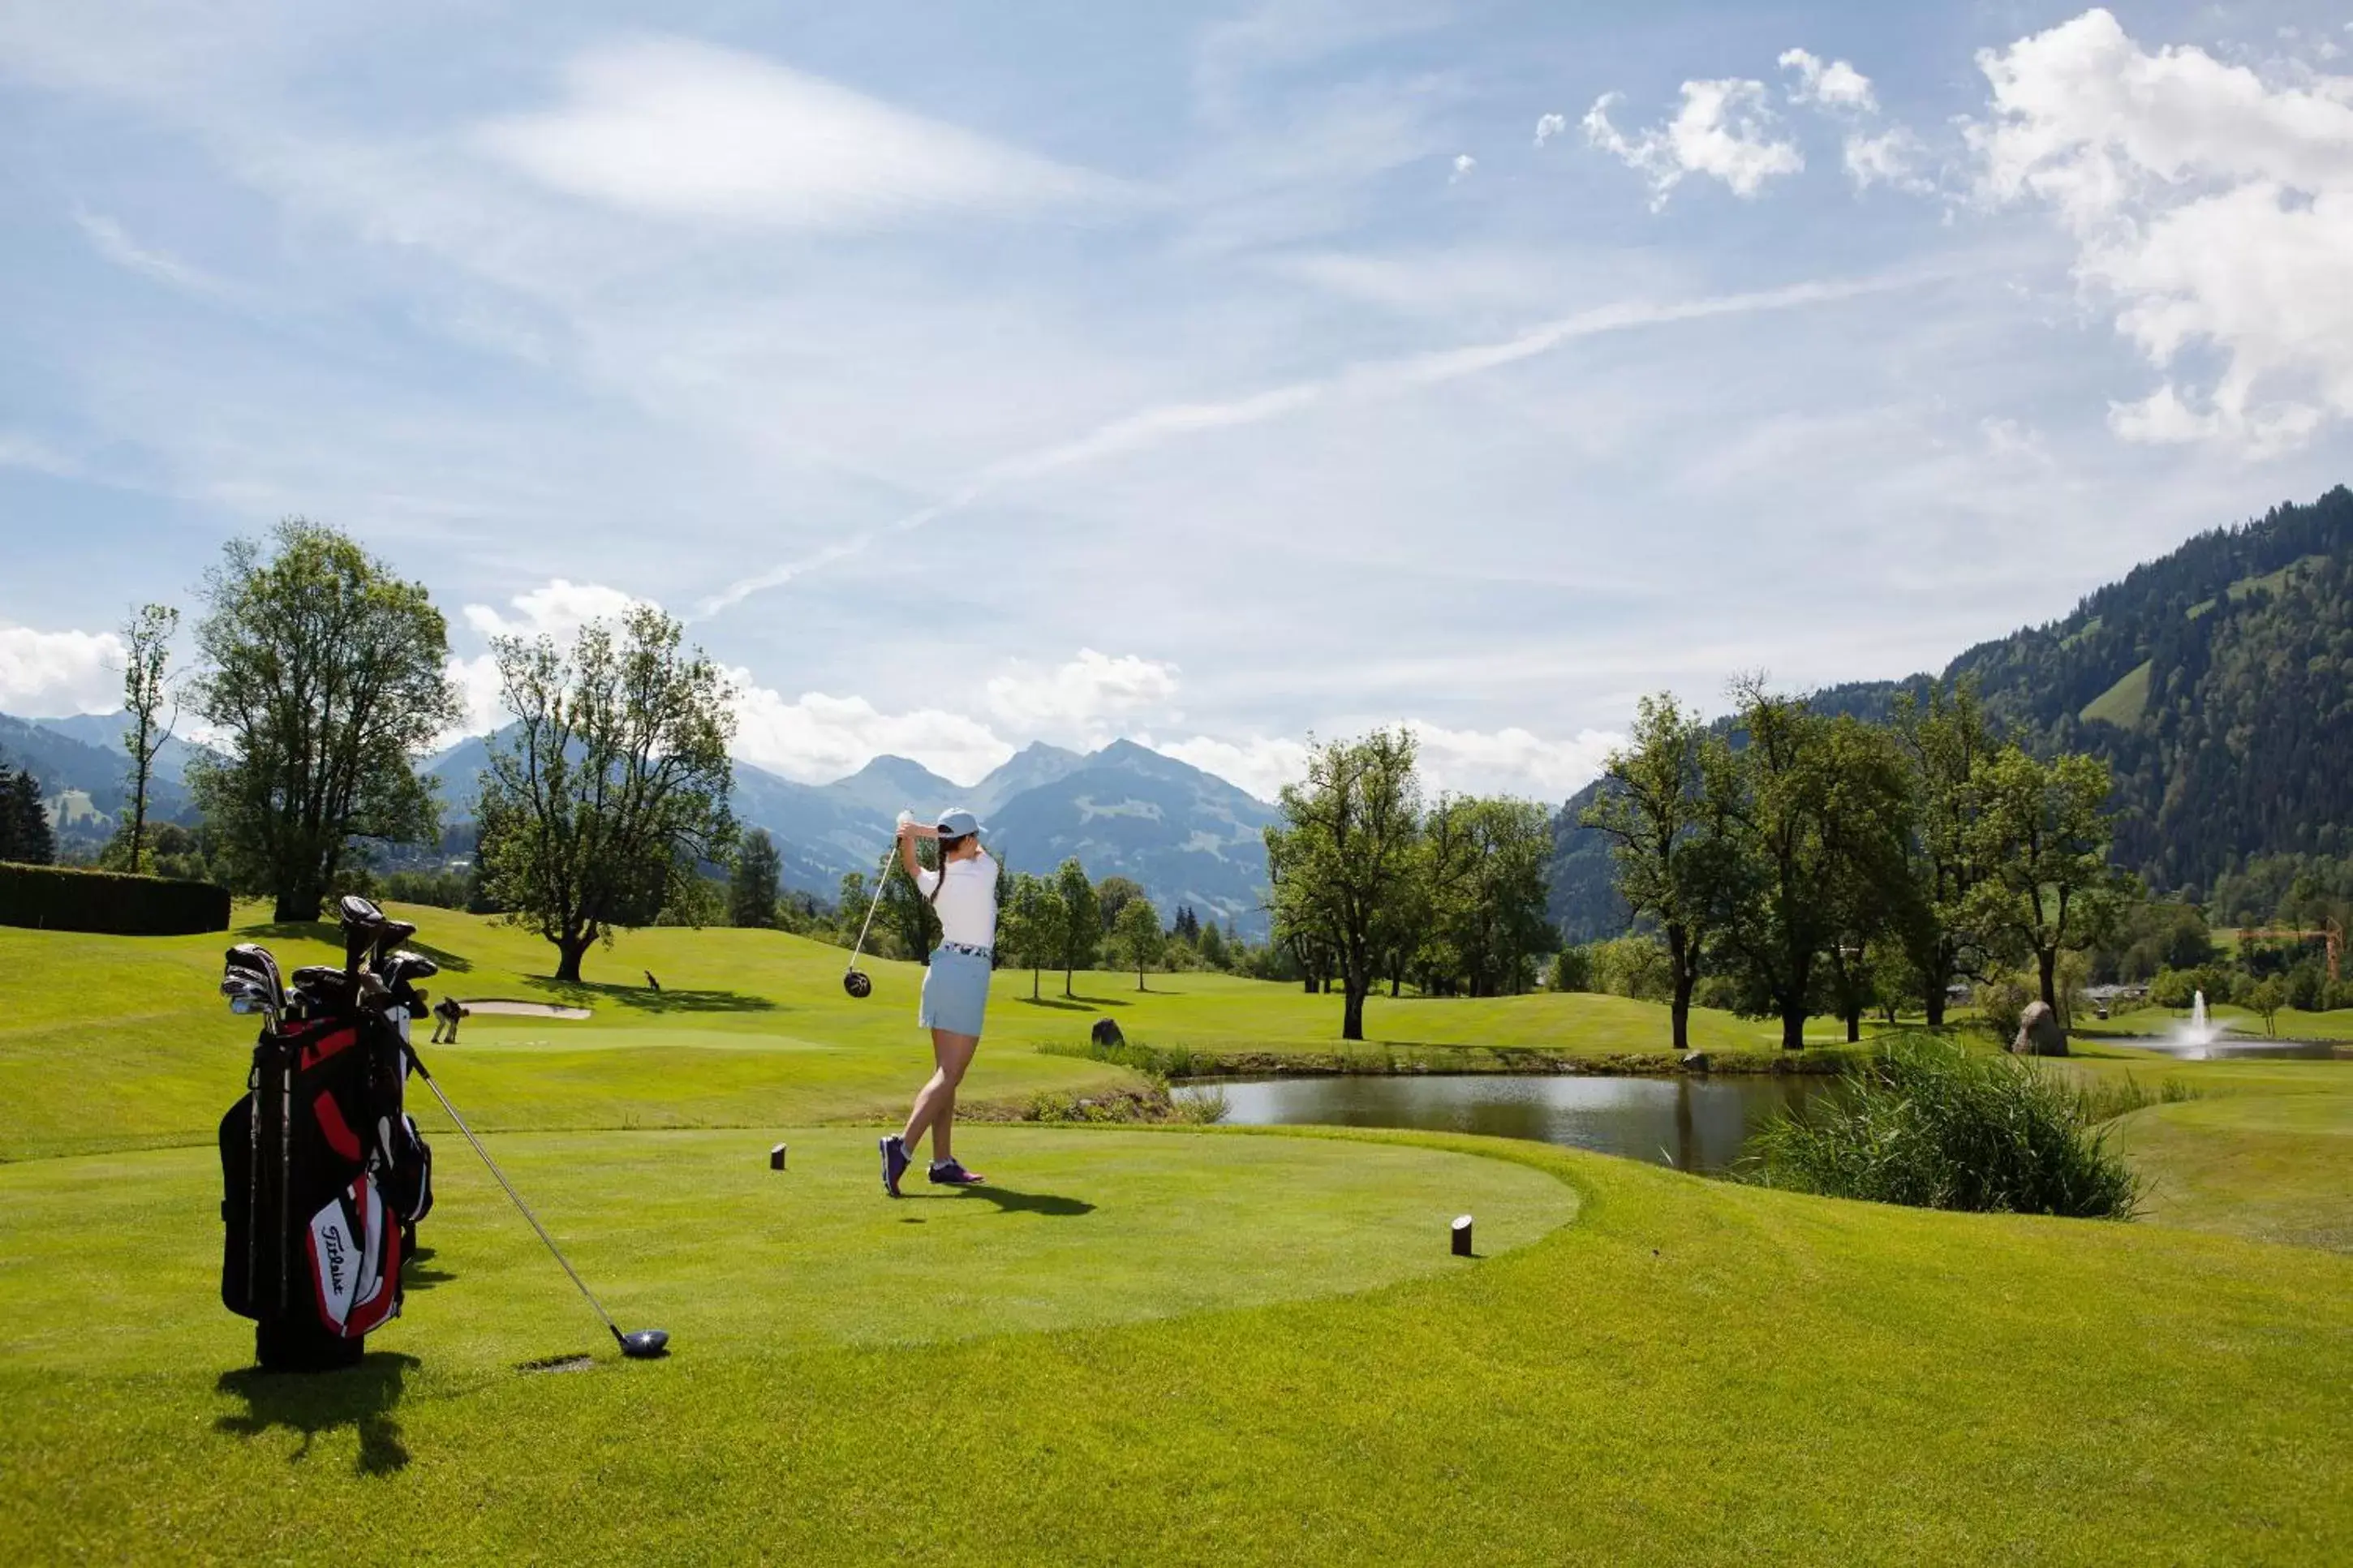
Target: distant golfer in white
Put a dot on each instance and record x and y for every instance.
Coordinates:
(956, 987)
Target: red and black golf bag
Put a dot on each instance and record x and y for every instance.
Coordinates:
(324, 1174)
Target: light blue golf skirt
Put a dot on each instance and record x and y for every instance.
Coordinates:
(956, 990)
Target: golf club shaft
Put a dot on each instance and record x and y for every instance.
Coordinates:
(432, 1084)
(873, 904)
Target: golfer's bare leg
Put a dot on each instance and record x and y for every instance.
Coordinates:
(934, 1109)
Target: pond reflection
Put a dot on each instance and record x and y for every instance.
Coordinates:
(1693, 1123)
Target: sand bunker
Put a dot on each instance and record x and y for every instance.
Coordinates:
(521, 1009)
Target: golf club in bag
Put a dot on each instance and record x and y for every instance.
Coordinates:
(854, 980)
(323, 1174)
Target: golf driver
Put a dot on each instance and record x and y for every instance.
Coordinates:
(854, 979)
(644, 1344)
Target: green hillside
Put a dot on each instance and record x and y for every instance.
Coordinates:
(2217, 682)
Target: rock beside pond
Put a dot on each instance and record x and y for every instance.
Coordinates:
(2039, 1034)
(1695, 1062)
(1106, 1034)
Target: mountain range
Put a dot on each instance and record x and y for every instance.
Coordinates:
(2216, 681)
(1185, 835)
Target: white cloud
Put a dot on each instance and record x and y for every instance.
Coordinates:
(1890, 157)
(1550, 126)
(18, 450)
(1837, 85)
(1510, 761)
(682, 130)
(1724, 130)
(1077, 696)
(2212, 207)
(1464, 165)
(107, 237)
(818, 738)
(50, 674)
(556, 608)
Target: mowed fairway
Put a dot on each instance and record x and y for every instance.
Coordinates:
(1142, 1344)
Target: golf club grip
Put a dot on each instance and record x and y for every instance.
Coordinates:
(433, 1084)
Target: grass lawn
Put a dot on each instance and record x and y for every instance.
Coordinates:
(1143, 1345)
(2276, 1166)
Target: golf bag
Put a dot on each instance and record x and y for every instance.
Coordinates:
(324, 1179)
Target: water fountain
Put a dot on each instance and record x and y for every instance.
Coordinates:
(2198, 1031)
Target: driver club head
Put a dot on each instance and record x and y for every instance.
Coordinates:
(644, 1344)
(856, 982)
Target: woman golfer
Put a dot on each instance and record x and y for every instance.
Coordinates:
(956, 987)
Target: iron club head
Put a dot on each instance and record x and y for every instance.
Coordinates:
(856, 982)
(644, 1344)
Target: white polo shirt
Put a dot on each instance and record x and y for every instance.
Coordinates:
(967, 905)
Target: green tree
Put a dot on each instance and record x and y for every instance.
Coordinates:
(1030, 924)
(1214, 951)
(2042, 836)
(1081, 921)
(1482, 894)
(1138, 937)
(1815, 824)
(1946, 742)
(1344, 854)
(753, 888)
(912, 914)
(611, 784)
(1664, 807)
(2267, 996)
(145, 689)
(24, 834)
(1113, 894)
(323, 682)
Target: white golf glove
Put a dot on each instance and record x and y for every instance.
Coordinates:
(906, 819)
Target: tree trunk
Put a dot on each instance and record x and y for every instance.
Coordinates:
(296, 904)
(1139, 977)
(1855, 1023)
(1308, 984)
(569, 951)
(1033, 983)
(1680, 967)
(1351, 1014)
(1065, 983)
(1793, 1028)
(2047, 960)
(1935, 1000)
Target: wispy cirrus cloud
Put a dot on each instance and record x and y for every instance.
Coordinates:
(1152, 428)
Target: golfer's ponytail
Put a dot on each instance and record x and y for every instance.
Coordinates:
(947, 847)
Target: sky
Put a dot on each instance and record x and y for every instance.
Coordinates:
(970, 374)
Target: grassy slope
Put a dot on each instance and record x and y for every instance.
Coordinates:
(1691, 1370)
(1690, 1373)
(2274, 1167)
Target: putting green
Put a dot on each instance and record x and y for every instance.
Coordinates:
(108, 1264)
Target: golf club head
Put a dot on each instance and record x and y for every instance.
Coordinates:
(354, 910)
(391, 934)
(644, 1344)
(251, 958)
(857, 985)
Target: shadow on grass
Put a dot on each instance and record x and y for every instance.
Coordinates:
(589, 993)
(361, 1397)
(416, 1276)
(1072, 1004)
(1013, 1201)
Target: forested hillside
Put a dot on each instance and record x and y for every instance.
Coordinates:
(2217, 682)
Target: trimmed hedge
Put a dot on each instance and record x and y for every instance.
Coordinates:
(116, 903)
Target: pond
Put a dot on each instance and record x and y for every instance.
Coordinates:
(1693, 1123)
(2225, 1047)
